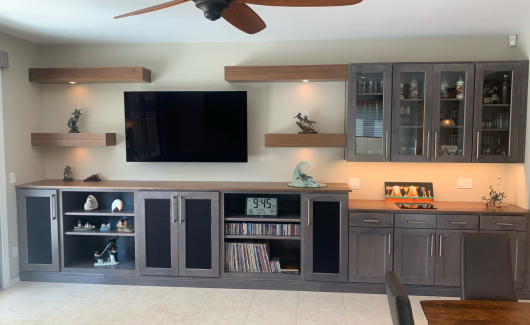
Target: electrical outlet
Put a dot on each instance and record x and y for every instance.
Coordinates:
(354, 183)
(465, 183)
(15, 251)
(512, 40)
(13, 178)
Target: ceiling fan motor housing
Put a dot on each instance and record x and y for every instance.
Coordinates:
(213, 8)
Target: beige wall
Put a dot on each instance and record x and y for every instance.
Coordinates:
(22, 104)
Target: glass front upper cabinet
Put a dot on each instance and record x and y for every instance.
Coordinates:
(368, 121)
(496, 120)
(453, 112)
(412, 112)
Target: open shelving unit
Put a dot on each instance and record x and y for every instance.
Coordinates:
(90, 75)
(287, 73)
(73, 139)
(306, 140)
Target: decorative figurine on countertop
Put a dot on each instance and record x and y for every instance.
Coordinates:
(301, 179)
(495, 198)
(123, 226)
(105, 227)
(305, 124)
(86, 227)
(91, 203)
(72, 122)
(110, 251)
(67, 173)
(93, 178)
(117, 205)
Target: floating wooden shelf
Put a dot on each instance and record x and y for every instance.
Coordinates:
(287, 73)
(305, 140)
(89, 75)
(73, 139)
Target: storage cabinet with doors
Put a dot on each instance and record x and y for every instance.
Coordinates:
(370, 246)
(38, 230)
(325, 237)
(500, 112)
(178, 233)
(515, 227)
(369, 112)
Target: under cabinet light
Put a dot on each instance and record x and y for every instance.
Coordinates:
(71, 82)
(305, 80)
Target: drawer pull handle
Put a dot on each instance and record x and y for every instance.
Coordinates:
(458, 222)
(503, 224)
(389, 244)
(415, 221)
(372, 220)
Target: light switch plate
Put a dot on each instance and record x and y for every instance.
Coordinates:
(512, 40)
(13, 178)
(354, 183)
(15, 251)
(464, 183)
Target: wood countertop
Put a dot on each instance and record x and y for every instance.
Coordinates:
(192, 186)
(445, 207)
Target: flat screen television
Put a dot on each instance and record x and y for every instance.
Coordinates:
(186, 126)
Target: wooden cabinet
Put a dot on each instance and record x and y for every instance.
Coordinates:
(414, 258)
(370, 254)
(38, 230)
(447, 269)
(325, 237)
(178, 233)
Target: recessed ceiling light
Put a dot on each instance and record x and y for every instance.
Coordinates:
(71, 82)
(305, 80)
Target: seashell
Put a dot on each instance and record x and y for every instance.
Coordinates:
(117, 205)
(91, 203)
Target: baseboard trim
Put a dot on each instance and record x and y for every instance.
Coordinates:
(14, 281)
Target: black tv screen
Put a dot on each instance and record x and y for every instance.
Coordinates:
(186, 126)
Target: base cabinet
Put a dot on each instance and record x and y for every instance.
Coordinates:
(178, 233)
(38, 230)
(414, 255)
(448, 254)
(370, 253)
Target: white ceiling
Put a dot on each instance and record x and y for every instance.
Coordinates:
(90, 21)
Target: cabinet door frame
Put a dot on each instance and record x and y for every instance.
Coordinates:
(440, 256)
(141, 233)
(351, 111)
(53, 195)
(516, 108)
(399, 68)
(215, 219)
(399, 233)
(388, 234)
(469, 68)
(307, 237)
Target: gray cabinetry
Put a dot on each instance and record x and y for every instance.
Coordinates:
(414, 255)
(38, 230)
(447, 271)
(325, 237)
(370, 254)
(178, 233)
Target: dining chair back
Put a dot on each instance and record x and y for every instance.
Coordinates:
(486, 267)
(398, 301)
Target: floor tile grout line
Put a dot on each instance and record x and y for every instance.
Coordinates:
(203, 306)
(251, 302)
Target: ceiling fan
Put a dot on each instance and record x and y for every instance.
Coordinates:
(237, 13)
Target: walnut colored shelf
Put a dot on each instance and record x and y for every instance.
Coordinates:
(90, 75)
(287, 73)
(73, 139)
(305, 140)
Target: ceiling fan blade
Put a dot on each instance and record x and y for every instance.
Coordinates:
(153, 8)
(244, 18)
(302, 3)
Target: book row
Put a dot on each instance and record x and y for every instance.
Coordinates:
(262, 229)
(248, 257)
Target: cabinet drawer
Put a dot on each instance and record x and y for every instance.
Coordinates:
(503, 223)
(415, 220)
(371, 220)
(457, 221)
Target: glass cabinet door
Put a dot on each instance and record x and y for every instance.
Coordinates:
(497, 105)
(368, 121)
(453, 112)
(412, 112)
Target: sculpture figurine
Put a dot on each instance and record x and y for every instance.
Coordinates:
(301, 179)
(110, 251)
(86, 227)
(72, 122)
(495, 198)
(67, 173)
(91, 203)
(117, 205)
(92, 178)
(305, 124)
(105, 227)
(123, 226)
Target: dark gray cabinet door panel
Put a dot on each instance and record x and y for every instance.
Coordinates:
(447, 271)
(325, 237)
(38, 230)
(370, 254)
(198, 215)
(518, 241)
(414, 255)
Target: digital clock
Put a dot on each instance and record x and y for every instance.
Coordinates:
(262, 206)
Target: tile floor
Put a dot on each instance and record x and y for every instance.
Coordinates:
(31, 303)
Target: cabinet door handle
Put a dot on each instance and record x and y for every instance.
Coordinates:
(458, 222)
(503, 224)
(54, 207)
(428, 143)
(389, 244)
(432, 245)
(372, 220)
(386, 145)
(435, 144)
(173, 214)
(440, 245)
(308, 211)
(182, 219)
(415, 221)
(478, 143)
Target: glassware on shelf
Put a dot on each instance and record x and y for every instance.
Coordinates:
(505, 89)
(381, 85)
(444, 88)
(370, 87)
(365, 90)
(460, 88)
(401, 96)
(360, 87)
(413, 89)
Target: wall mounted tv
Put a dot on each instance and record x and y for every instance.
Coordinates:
(186, 126)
